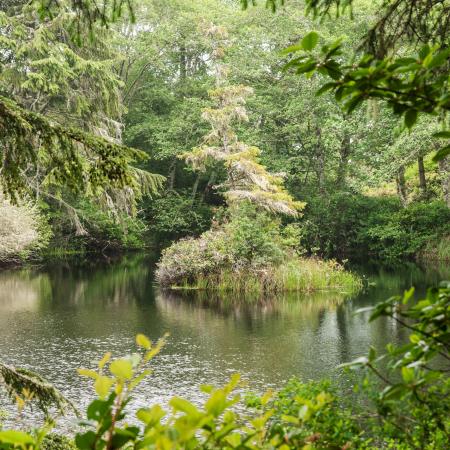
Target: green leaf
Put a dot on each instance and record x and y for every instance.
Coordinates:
(234, 440)
(326, 87)
(291, 49)
(15, 437)
(151, 416)
(306, 67)
(408, 295)
(103, 385)
(85, 441)
(410, 118)
(407, 375)
(122, 368)
(104, 360)
(424, 51)
(310, 41)
(88, 373)
(439, 59)
(442, 135)
(180, 404)
(122, 436)
(442, 153)
(143, 341)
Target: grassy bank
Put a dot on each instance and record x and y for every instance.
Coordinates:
(294, 275)
(436, 250)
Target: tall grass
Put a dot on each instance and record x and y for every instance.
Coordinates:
(436, 250)
(294, 275)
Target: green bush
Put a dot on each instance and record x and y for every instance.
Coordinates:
(402, 235)
(355, 226)
(248, 253)
(175, 216)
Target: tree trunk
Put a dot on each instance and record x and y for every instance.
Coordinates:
(401, 185)
(320, 166)
(195, 187)
(210, 184)
(344, 153)
(183, 62)
(422, 179)
(172, 173)
(444, 169)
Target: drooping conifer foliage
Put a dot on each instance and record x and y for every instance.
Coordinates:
(60, 108)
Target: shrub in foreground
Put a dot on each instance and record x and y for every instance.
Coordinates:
(404, 404)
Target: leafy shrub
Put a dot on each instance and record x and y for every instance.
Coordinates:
(403, 234)
(90, 228)
(175, 216)
(188, 258)
(53, 441)
(350, 225)
(249, 253)
(249, 240)
(23, 231)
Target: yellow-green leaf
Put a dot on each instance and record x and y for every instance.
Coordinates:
(104, 360)
(103, 385)
(122, 368)
(143, 341)
(88, 373)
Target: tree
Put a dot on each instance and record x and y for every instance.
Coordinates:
(246, 178)
(47, 84)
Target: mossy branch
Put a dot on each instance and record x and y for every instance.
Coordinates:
(43, 393)
(79, 160)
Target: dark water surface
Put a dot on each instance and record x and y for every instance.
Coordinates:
(62, 317)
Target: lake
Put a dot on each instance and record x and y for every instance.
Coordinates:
(57, 318)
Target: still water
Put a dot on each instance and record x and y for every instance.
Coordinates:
(58, 318)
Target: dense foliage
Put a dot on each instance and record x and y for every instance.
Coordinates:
(356, 226)
(249, 251)
(257, 176)
(80, 77)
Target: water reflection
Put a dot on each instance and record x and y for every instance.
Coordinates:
(59, 318)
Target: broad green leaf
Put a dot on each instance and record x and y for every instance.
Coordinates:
(410, 118)
(122, 368)
(442, 153)
(407, 374)
(424, 51)
(233, 439)
(103, 385)
(442, 135)
(151, 416)
(180, 404)
(88, 373)
(104, 360)
(439, 59)
(85, 441)
(310, 41)
(408, 295)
